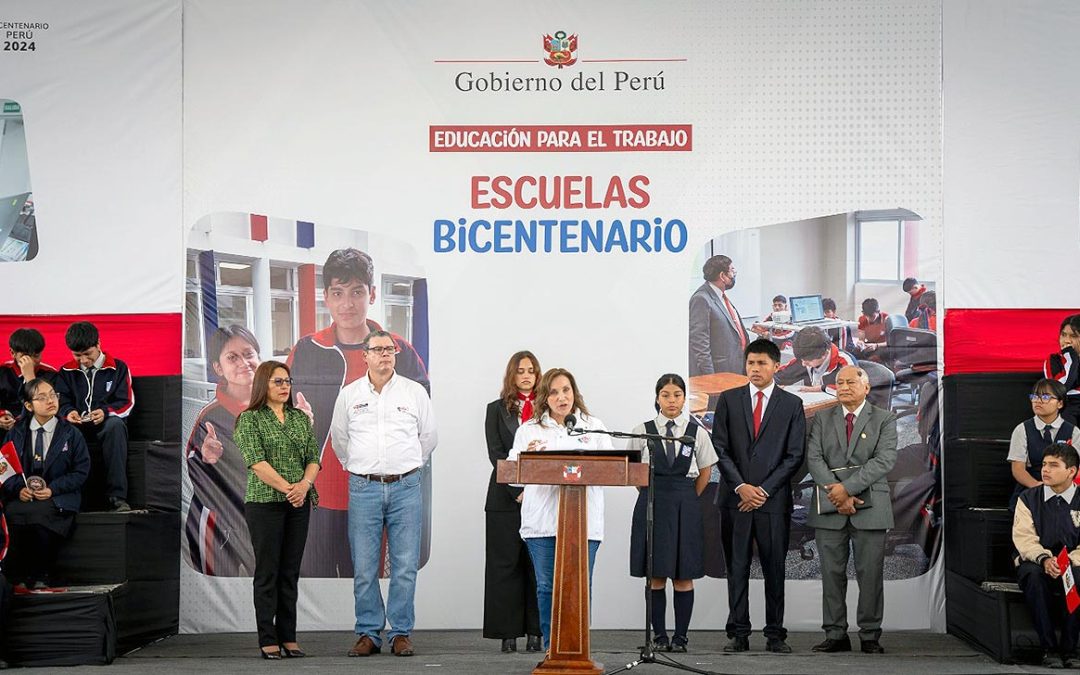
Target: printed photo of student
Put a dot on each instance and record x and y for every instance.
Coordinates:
(322, 364)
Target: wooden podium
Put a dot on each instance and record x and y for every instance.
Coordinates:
(569, 653)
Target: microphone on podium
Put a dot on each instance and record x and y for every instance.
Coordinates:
(570, 422)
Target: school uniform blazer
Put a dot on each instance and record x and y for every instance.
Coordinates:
(715, 345)
(499, 429)
(872, 446)
(67, 463)
(769, 461)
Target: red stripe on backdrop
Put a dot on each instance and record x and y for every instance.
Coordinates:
(1000, 340)
(150, 344)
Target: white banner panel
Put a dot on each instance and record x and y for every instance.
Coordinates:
(323, 113)
(1012, 162)
(98, 86)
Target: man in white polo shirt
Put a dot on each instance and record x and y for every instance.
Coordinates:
(383, 432)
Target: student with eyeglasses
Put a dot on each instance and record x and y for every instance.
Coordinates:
(42, 501)
(1031, 437)
(282, 457)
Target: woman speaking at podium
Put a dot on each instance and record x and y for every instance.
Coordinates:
(557, 399)
(681, 473)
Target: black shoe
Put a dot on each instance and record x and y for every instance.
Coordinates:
(270, 656)
(737, 644)
(293, 653)
(3, 664)
(660, 644)
(777, 646)
(119, 505)
(534, 643)
(678, 644)
(1051, 661)
(872, 647)
(833, 645)
(1071, 660)
(509, 645)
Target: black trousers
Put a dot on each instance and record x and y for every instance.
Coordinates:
(769, 531)
(278, 532)
(112, 434)
(1046, 599)
(510, 606)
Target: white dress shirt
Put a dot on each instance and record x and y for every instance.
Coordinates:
(540, 503)
(1018, 442)
(50, 429)
(389, 433)
(857, 411)
(703, 447)
(1067, 495)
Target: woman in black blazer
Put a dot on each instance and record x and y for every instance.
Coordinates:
(510, 609)
(41, 512)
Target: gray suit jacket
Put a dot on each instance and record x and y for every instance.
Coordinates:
(872, 446)
(715, 346)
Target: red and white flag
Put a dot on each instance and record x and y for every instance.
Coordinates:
(1072, 597)
(9, 462)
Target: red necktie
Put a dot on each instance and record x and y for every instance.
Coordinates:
(736, 320)
(849, 425)
(526, 406)
(757, 412)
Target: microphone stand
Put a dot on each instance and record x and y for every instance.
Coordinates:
(647, 653)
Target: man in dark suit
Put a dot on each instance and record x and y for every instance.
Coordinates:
(852, 507)
(717, 335)
(759, 432)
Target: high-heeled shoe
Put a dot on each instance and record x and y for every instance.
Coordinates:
(534, 643)
(293, 653)
(509, 645)
(270, 656)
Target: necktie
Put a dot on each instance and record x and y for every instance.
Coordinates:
(736, 320)
(39, 452)
(670, 445)
(757, 412)
(849, 424)
(1048, 435)
(526, 406)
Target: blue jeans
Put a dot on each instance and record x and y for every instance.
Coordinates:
(542, 552)
(397, 506)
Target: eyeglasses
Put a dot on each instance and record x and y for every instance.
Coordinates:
(383, 351)
(1045, 398)
(278, 381)
(43, 398)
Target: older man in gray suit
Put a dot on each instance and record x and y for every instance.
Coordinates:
(851, 450)
(717, 335)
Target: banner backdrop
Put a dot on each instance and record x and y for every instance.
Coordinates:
(539, 179)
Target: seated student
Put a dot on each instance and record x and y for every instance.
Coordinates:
(841, 335)
(41, 513)
(872, 329)
(1064, 366)
(5, 587)
(95, 395)
(1034, 434)
(26, 345)
(1042, 526)
(816, 362)
(914, 289)
(781, 336)
(926, 313)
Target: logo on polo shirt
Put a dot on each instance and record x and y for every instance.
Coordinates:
(360, 407)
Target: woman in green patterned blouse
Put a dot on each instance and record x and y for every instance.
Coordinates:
(282, 457)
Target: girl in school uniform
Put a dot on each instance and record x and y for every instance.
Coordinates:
(1064, 366)
(681, 473)
(1037, 433)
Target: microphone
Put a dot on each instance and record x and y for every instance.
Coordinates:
(686, 440)
(570, 422)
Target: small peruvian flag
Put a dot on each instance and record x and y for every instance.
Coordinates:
(1072, 597)
(9, 462)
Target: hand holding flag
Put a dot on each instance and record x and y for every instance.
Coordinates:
(9, 462)
(1072, 596)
